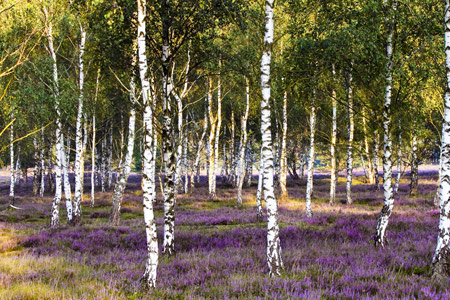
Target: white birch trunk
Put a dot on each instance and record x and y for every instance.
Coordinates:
(333, 142)
(413, 187)
(370, 171)
(217, 134)
(283, 159)
(17, 171)
(259, 212)
(199, 149)
(103, 164)
(11, 160)
(399, 160)
(210, 148)
(148, 182)
(309, 183)
(440, 263)
(350, 130)
(124, 172)
(67, 188)
(94, 131)
(59, 142)
(168, 140)
(79, 135)
(37, 167)
(110, 157)
(375, 160)
(185, 164)
(42, 161)
(232, 173)
(240, 174)
(274, 259)
(387, 160)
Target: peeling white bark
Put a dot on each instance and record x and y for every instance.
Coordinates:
(311, 158)
(79, 134)
(148, 182)
(283, 159)
(441, 256)
(333, 142)
(274, 259)
(94, 131)
(240, 174)
(388, 205)
(59, 142)
(350, 130)
(11, 157)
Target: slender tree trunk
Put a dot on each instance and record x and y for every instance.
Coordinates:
(370, 171)
(217, 134)
(387, 160)
(438, 190)
(441, 258)
(276, 157)
(413, 187)
(11, 160)
(283, 159)
(103, 165)
(350, 129)
(240, 174)
(375, 160)
(232, 175)
(185, 163)
(210, 148)
(179, 143)
(59, 142)
(94, 131)
(79, 135)
(199, 149)
(309, 183)
(110, 157)
(333, 141)
(17, 171)
(302, 165)
(274, 259)
(148, 181)
(67, 188)
(249, 166)
(42, 161)
(399, 160)
(168, 141)
(259, 212)
(121, 183)
(37, 168)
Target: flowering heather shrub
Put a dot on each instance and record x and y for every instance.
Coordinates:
(221, 251)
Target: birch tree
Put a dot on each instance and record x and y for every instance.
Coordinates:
(311, 157)
(283, 158)
(413, 186)
(148, 181)
(59, 141)
(12, 176)
(274, 259)
(333, 141)
(169, 154)
(350, 130)
(79, 134)
(121, 183)
(440, 263)
(94, 132)
(240, 175)
(387, 160)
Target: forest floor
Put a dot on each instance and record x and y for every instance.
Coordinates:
(220, 250)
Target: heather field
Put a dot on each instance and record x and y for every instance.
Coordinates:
(221, 249)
